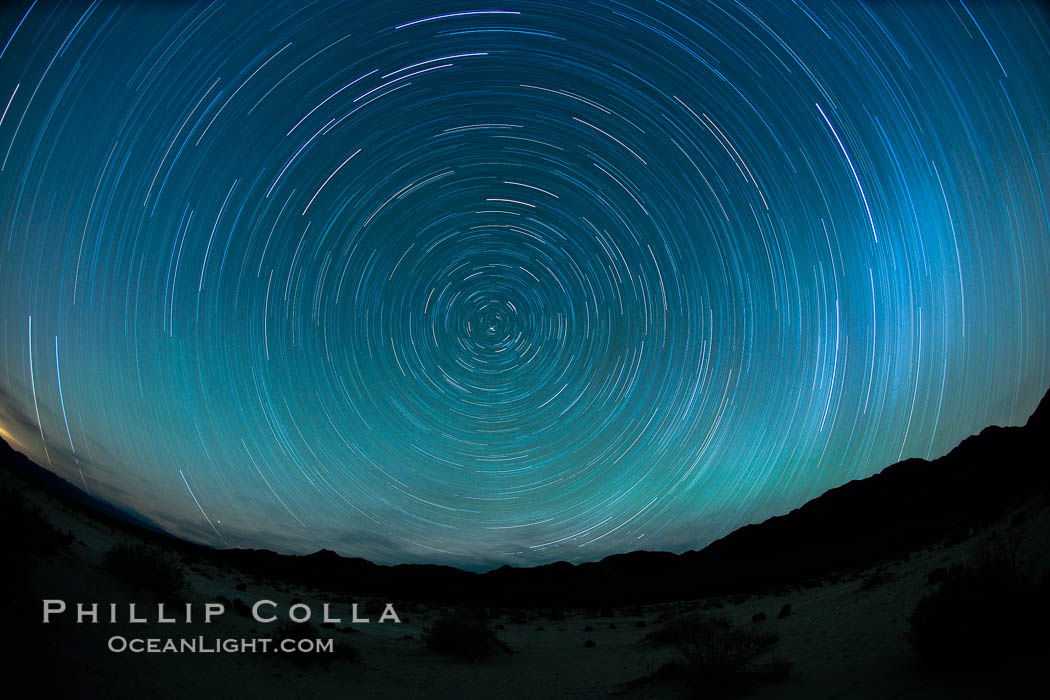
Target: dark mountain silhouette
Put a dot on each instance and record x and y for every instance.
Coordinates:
(906, 506)
(19, 464)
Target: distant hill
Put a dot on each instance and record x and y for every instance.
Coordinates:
(19, 464)
(905, 506)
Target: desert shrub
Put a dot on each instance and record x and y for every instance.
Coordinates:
(984, 611)
(465, 633)
(877, 579)
(145, 567)
(677, 629)
(716, 652)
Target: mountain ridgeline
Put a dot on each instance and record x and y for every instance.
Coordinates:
(905, 506)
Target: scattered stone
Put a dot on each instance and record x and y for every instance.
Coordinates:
(758, 617)
(784, 611)
(589, 644)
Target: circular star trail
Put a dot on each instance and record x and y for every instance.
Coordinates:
(513, 282)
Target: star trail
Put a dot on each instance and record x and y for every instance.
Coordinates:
(484, 283)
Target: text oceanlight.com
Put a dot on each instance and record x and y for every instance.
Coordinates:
(205, 645)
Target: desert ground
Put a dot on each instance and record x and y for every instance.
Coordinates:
(844, 636)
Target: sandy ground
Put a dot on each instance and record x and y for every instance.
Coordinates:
(845, 637)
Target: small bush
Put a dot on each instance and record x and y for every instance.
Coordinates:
(714, 651)
(877, 579)
(984, 612)
(145, 567)
(464, 633)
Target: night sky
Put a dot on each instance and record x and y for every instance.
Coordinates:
(482, 283)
